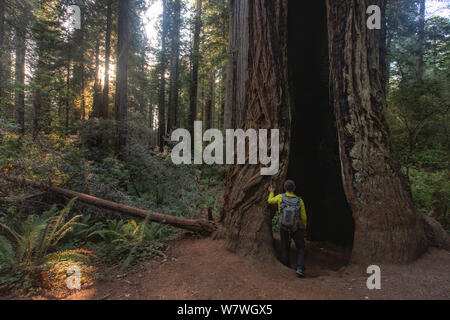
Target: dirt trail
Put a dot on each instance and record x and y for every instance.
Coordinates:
(204, 269)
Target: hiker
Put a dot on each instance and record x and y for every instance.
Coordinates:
(292, 223)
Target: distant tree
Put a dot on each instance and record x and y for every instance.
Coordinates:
(175, 8)
(105, 100)
(122, 75)
(195, 60)
(162, 77)
(21, 31)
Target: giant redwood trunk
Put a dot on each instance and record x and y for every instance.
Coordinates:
(316, 72)
(265, 102)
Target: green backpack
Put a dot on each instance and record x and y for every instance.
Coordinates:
(288, 218)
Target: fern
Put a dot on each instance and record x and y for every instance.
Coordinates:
(32, 239)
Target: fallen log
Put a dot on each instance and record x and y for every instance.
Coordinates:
(200, 225)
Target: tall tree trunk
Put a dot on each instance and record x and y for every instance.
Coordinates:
(195, 61)
(2, 49)
(78, 68)
(68, 88)
(221, 124)
(387, 226)
(420, 42)
(246, 216)
(83, 97)
(162, 77)
(97, 103)
(122, 75)
(237, 74)
(213, 99)
(105, 100)
(2, 23)
(174, 65)
(19, 91)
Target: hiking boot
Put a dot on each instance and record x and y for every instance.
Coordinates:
(300, 273)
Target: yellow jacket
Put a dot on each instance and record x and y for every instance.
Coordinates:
(277, 200)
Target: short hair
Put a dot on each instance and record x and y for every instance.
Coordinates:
(289, 185)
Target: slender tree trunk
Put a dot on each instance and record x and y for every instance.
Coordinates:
(20, 78)
(195, 60)
(174, 65)
(105, 101)
(222, 100)
(162, 79)
(122, 74)
(213, 100)
(2, 24)
(207, 118)
(96, 110)
(420, 42)
(83, 97)
(78, 68)
(68, 93)
(2, 49)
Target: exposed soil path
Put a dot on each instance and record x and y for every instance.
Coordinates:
(204, 269)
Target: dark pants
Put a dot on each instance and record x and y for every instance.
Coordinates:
(299, 240)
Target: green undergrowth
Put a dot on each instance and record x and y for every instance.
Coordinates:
(38, 243)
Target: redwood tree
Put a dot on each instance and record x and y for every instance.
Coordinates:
(19, 92)
(162, 77)
(195, 60)
(122, 75)
(105, 100)
(387, 227)
(174, 64)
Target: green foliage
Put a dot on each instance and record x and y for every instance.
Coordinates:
(418, 109)
(431, 194)
(25, 244)
(97, 135)
(128, 242)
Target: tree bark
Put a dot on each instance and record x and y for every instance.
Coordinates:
(213, 100)
(19, 91)
(68, 88)
(195, 60)
(2, 49)
(387, 226)
(2, 23)
(97, 102)
(237, 74)
(202, 226)
(246, 216)
(122, 76)
(105, 100)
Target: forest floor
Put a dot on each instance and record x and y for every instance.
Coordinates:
(202, 268)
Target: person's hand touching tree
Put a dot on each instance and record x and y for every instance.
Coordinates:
(271, 189)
